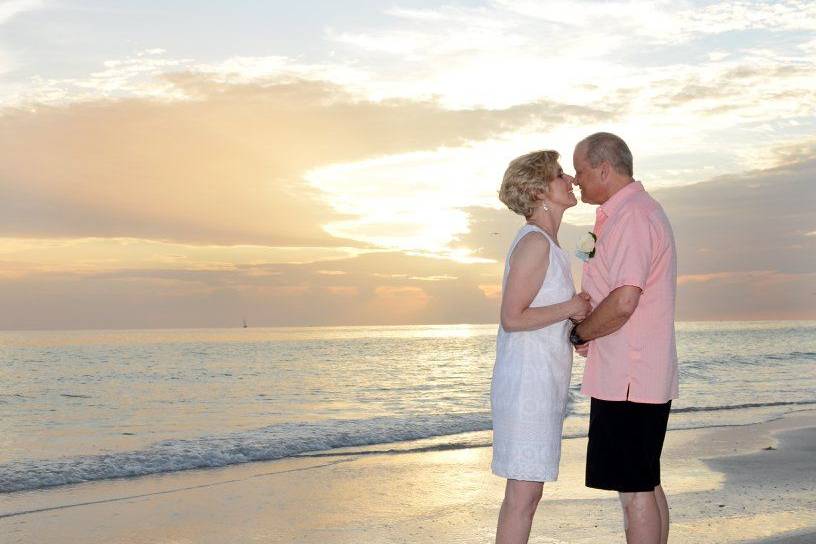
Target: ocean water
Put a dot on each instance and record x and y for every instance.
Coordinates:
(79, 406)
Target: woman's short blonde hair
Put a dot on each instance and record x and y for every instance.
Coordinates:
(525, 178)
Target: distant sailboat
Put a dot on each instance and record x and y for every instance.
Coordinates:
(245, 325)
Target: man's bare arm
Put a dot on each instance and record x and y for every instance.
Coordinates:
(611, 314)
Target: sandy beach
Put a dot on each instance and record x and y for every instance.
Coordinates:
(754, 483)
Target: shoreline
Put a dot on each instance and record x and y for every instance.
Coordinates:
(440, 496)
(466, 439)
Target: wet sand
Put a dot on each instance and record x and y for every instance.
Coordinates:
(723, 485)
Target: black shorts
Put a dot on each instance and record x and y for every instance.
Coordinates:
(625, 443)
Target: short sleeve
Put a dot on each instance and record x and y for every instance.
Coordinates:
(630, 254)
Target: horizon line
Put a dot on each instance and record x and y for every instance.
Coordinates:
(362, 326)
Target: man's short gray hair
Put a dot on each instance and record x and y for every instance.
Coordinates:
(605, 146)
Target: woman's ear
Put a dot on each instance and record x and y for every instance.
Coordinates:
(542, 197)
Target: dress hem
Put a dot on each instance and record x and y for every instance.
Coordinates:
(525, 478)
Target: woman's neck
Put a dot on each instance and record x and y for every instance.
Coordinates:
(547, 220)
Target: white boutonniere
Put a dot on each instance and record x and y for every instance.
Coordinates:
(586, 246)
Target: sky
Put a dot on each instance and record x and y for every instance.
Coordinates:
(194, 164)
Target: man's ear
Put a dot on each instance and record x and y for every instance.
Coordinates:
(605, 170)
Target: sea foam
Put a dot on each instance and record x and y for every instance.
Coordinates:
(268, 443)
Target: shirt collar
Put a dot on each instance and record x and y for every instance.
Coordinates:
(617, 200)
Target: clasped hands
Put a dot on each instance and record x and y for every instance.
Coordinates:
(582, 308)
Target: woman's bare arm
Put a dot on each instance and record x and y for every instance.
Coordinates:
(528, 268)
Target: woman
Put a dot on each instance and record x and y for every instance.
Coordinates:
(533, 354)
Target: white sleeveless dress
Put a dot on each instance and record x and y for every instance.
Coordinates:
(531, 378)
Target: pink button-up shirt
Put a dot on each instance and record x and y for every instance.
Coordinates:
(635, 247)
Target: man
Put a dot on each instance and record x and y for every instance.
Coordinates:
(628, 339)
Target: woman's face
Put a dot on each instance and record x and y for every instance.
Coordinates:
(560, 190)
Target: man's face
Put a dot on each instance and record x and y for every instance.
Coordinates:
(587, 178)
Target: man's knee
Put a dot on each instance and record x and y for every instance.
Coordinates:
(636, 499)
(626, 499)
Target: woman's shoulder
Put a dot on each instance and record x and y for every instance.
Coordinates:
(532, 236)
(532, 244)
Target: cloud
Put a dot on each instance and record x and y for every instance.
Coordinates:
(415, 201)
(720, 17)
(135, 76)
(186, 191)
(11, 8)
(224, 167)
(667, 21)
(494, 54)
(153, 73)
(755, 221)
(85, 255)
(491, 230)
(648, 62)
(746, 296)
(706, 278)
(745, 251)
(376, 288)
(666, 96)
(741, 85)
(743, 245)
